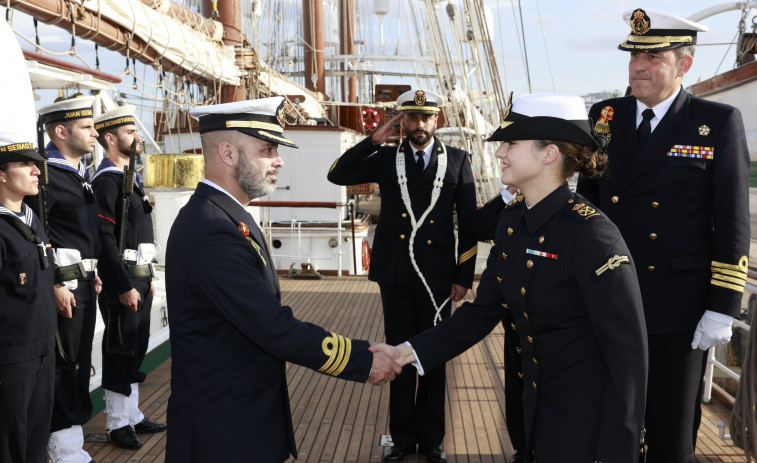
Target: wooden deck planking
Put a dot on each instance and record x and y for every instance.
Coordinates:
(340, 421)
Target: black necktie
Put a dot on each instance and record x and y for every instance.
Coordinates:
(419, 162)
(645, 128)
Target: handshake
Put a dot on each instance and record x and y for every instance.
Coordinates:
(388, 361)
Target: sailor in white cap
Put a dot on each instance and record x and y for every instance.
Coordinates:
(678, 191)
(561, 270)
(72, 218)
(230, 335)
(415, 261)
(126, 271)
(27, 307)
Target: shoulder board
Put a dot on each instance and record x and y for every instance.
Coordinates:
(582, 210)
(516, 200)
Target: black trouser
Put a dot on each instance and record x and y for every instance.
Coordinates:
(414, 417)
(516, 427)
(674, 395)
(119, 370)
(72, 403)
(26, 405)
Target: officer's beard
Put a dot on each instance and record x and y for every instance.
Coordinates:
(420, 137)
(253, 182)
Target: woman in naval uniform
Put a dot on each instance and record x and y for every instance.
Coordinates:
(563, 272)
(27, 312)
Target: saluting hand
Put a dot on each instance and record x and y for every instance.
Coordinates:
(381, 135)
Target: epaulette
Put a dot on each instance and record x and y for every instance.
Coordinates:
(516, 200)
(581, 209)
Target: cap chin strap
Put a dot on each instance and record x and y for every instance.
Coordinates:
(441, 168)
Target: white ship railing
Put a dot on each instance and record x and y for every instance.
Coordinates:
(296, 228)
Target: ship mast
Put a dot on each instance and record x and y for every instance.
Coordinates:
(348, 112)
(229, 14)
(312, 14)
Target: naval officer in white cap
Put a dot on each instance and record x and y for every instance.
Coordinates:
(72, 217)
(677, 188)
(126, 298)
(230, 335)
(561, 270)
(418, 265)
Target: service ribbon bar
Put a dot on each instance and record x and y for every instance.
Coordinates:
(689, 151)
(548, 255)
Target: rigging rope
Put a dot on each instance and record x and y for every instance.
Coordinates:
(546, 48)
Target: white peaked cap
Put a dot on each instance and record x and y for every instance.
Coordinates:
(18, 132)
(570, 107)
(660, 20)
(262, 118)
(546, 116)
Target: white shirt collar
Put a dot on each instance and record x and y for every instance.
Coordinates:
(426, 151)
(659, 110)
(211, 184)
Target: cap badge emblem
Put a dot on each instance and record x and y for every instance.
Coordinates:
(704, 130)
(509, 105)
(280, 116)
(639, 22)
(22, 279)
(603, 124)
(420, 98)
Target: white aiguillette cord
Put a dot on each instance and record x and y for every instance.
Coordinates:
(441, 168)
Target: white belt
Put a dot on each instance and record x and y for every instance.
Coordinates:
(130, 255)
(89, 264)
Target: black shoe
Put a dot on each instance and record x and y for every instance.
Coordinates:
(434, 455)
(398, 454)
(125, 438)
(149, 427)
(520, 457)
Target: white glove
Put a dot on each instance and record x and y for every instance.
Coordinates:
(712, 330)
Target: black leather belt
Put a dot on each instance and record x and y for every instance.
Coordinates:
(140, 271)
(71, 272)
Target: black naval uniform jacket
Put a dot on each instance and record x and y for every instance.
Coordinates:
(578, 314)
(434, 246)
(71, 208)
(72, 217)
(27, 311)
(120, 371)
(108, 188)
(685, 218)
(230, 336)
(27, 337)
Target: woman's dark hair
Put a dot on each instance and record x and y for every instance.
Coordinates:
(4, 166)
(588, 161)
